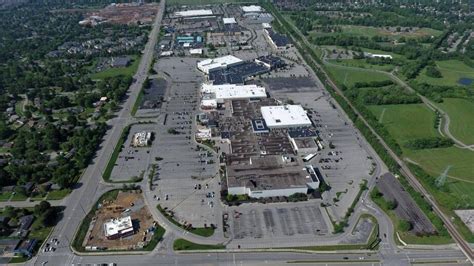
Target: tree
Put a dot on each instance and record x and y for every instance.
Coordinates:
(392, 204)
(433, 72)
(42, 207)
(404, 226)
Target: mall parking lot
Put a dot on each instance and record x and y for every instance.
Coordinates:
(255, 221)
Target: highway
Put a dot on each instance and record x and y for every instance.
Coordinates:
(91, 187)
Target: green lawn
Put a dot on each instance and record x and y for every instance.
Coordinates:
(157, 236)
(349, 77)
(58, 194)
(5, 196)
(406, 122)
(360, 63)
(461, 113)
(451, 70)
(113, 72)
(19, 197)
(182, 244)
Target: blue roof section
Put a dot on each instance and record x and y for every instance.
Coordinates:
(259, 126)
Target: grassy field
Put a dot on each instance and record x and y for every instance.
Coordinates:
(349, 77)
(362, 64)
(4, 196)
(451, 70)
(113, 72)
(461, 113)
(406, 122)
(58, 194)
(182, 244)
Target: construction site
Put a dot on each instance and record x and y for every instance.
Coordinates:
(121, 224)
(124, 13)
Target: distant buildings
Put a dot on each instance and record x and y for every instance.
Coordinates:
(119, 227)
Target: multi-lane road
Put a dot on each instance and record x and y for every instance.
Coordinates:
(91, 187)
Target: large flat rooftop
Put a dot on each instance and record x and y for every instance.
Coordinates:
(282, 116)
(269, 172)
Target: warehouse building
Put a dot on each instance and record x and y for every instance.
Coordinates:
(223, 62)
(229, 21)
(117, 228)
(212, 95)
(252, 9)
(194, 13)
(278, 41)
(285, 116)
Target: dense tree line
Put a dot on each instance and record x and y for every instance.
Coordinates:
(437, 93)
(429, 143)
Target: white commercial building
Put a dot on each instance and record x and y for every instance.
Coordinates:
(252, 9)
(229, 21)
(196, 51)
(212, 95)
(285, 116)
(120, 227)
(194, 13)
(370, 55)
(215, 63)
(141, 139)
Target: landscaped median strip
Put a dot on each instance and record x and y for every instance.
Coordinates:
(200, 231)
(183, 244)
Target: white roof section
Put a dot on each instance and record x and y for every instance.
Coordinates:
(229, 20)
(283, 116)
(266, 25)
(252, 9)
(118, 226)
(219, 62)
(232, 91)
(195, 51)
(194, 13)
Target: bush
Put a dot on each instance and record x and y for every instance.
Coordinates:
(433, 72)
(404, 226)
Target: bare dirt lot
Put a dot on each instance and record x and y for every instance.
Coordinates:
(141, 219)
(127, 13)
